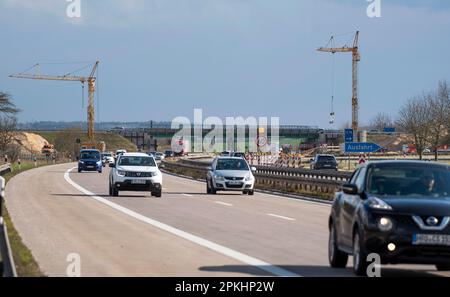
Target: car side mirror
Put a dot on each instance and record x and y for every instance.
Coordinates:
(253, 169)
(112, 165)
(350, 189)
(161, 165)
(311, 160)
(209, 168)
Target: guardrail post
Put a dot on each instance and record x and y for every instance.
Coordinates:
(9, 269)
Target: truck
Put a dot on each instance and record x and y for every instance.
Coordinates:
(48, 149)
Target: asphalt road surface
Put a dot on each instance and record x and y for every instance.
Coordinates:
(184, 233)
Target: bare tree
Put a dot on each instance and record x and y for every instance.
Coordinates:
(7, 106)
(380, 121)
(439, 104)
(415, 117)
(7, 131)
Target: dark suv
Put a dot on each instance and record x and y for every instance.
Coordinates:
(322, 162)
(397, 209)
(90, 160)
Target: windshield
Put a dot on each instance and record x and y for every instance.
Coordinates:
(136, 161)
(409, 180)
(231, 164)
(326, 159)
(106, 155)
(93, 155)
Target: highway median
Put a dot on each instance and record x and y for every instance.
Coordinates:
(318, 184)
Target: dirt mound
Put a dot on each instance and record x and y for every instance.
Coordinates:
(31, 142)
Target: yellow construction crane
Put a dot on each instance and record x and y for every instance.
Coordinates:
(91, 90)
(356, 59)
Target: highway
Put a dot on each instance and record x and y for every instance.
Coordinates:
(185, 233)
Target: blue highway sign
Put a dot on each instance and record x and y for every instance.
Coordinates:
(348, 135)
(361, 147)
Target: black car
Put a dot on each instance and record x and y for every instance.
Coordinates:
(238, 154)
(324, 162)
(169, 154)
(397, 209)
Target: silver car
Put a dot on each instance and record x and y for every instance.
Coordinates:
(230, 174)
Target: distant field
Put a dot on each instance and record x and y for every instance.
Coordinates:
(64, 140)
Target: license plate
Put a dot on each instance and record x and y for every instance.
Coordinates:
(234, 182)
(431, 239)
(138, 181)
(90, 166)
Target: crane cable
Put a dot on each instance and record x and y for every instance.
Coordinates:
(82, 105)
(332, 114)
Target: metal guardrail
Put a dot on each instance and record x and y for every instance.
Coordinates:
(7, 267)
(5, 168)
(272, 177)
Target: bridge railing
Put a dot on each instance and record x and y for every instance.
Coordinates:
(7, 267)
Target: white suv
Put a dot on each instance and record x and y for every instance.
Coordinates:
(135, 172)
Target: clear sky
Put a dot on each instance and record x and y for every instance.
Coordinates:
(163, 58)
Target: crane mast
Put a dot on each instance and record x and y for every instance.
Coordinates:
(91, 90)
(355, 59)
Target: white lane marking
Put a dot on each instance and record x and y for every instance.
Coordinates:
(275, 270)
(223, 203)
(281, 217)
(187, 195)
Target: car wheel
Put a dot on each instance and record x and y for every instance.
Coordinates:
(443, 267)
(100, 171)
(251, 193)
(158, 194)
(110, 190)
(213, 191)
(211, 188)
(115, 192)
(359, 255)
(244, 192)
(337, 258)
(79, 170)
(208, 189)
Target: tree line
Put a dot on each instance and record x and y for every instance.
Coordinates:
(8, 127)
(425, 117)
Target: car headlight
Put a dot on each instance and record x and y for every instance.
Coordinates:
(121, 172)
(385, 224)
(248, 177)
(219, 177)
(81, 162)
(154, 173)
(377, 203)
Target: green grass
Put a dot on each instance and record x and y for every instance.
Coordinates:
(25, 263)
(113, 141)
